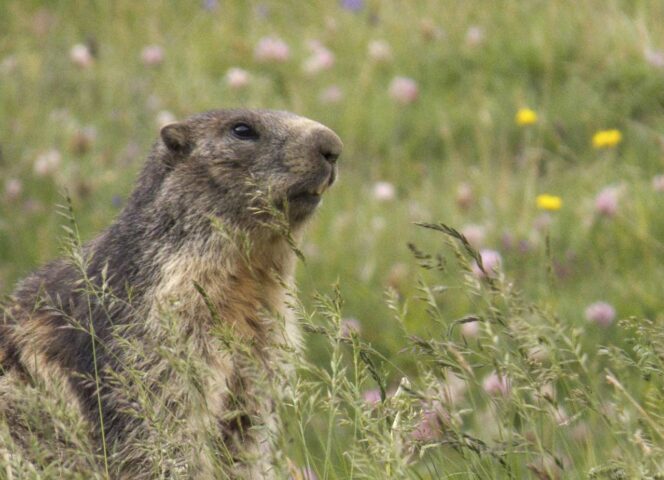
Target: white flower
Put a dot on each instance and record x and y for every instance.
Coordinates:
(384, 191)
(47, 163)
(237, 78)
(271, 49)
(379, 51)
(81, 56)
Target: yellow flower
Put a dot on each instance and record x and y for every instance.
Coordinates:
(607, 138)
(526, 116)
(549, 202)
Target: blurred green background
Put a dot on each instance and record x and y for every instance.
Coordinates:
(424, 95)
(461, 112)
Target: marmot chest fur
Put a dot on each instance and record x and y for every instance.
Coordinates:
(162, 334)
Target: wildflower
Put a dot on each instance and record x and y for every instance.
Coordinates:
(429, 427)
(320, 60)
(404, 90)
(332, 94)
(601, 313)
(475, 234)
(349, 326)
(491, 261)
(152, 55)
(116, 201)
(352, 5)
(237, 78)
(384, 191)
(525, 116)
(164, 117)
(464, 196)
(379, 51)
(606, 202)
(475, 36)
(81, 56)
(549, 202)
(543, 222)
(496, 385)
(8, 64)
(607, 138)
(470, 329)
(210, 5)
(272, 49)
(654, 57)
(47, 163)
(507, 241)
(371, 397)
(658, 183)
(13, 188)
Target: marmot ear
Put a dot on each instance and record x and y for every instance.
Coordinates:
(177, 137)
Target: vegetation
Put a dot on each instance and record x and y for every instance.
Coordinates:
(489, 265)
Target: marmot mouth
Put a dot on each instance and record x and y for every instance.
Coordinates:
(306, 198)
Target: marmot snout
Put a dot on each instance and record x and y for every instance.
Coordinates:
(194, 253)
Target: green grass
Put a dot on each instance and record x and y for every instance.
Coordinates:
(579, 65)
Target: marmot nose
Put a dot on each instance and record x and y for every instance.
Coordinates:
(327, 144)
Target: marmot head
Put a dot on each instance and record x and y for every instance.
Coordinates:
(236, 164)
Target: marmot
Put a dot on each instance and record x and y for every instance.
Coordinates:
(160, 335)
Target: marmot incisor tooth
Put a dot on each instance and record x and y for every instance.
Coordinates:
(171, 321)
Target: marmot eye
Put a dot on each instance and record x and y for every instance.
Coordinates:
(244, 131)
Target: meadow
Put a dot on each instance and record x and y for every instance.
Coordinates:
(482, 288)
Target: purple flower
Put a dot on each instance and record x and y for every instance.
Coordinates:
(601, 313)
(13, 188)
(497, 385)
(210, 5)
(350, 326)
(475, 234)
(332, 94)
(371, 397)
(404, 90)
(428, 429)
(352, 5)
(321, 59)
(272, 49)
(654, 57)
(152, 55)
(606, 202)
(658, 183)
(491, 261)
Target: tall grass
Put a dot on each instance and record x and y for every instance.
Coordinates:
(418, 363)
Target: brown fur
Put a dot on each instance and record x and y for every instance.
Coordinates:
(170, 328)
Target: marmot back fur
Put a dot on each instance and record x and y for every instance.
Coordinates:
(169, 324)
